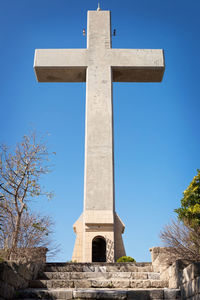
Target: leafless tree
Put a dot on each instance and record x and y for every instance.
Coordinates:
(184, 240)
(35, 231)
(20, 173)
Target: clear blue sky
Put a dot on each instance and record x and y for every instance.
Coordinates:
(156, 126)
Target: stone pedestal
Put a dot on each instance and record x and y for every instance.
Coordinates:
(87, 230)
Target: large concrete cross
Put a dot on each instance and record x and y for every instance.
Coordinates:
(99, 228)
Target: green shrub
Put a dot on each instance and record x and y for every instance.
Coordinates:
(71, 261)
(126, 259)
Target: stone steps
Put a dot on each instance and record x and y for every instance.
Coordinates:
(100, 275)
(114, 283)
(121, 294)
(100, 267)
(126, 281)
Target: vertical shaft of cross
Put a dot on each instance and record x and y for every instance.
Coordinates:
(99, 162)
(99, 165)
(99, 183)
(98, 30)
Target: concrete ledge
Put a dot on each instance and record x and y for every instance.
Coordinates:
(98, 267)
(121, 294)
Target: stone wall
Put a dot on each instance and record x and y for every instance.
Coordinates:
(190, 282)
(169, 265)
(37, 254)
(162, 258)
(16, 276)
(180, 273)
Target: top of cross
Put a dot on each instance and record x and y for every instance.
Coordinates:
(98, 8)
(71, 65)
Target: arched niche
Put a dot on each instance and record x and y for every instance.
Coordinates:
(99, 249)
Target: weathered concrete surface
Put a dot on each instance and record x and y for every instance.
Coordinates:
(99, 65)
(127, 65)
(60, 65)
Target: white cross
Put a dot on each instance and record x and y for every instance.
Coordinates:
(99, 65)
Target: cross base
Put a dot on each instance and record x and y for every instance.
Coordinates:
(98, 234)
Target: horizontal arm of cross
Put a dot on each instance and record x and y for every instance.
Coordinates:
(128, 65)
(137, 65)
(60, 65)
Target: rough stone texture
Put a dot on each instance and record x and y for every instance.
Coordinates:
(162, 258)
(166, 262)
(190, 282)
(98, 281)
(100, 275)
(99, 294)
(172, 275)
(6, 290)
(145, 294)
(191, 272)
(123, 294)
(182, 274)
(98, 267)
(37, 255)
(44, 294)
(172, 294)
(15, 276)
(99, 65)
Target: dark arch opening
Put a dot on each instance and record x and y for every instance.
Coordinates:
(98, 249)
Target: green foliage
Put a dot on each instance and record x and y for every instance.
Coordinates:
(38, 226)
(71, 261)
(189, 212)
(125, 259)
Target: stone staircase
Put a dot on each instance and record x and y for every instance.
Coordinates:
(135, 281)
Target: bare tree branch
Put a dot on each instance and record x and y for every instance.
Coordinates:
(20, 173)
(184, 240)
